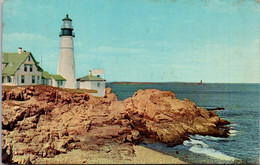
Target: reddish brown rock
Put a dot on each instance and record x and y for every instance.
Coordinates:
(45, 121)
(159, 115)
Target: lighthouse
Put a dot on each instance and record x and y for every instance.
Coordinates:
(66, 66)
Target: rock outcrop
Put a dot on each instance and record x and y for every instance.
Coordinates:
(44, 121)
(159, 115)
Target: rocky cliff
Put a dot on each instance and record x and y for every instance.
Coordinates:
(44, 121)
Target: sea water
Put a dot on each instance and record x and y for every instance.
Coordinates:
(241, 103)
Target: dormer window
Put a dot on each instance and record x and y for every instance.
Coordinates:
(29, 58)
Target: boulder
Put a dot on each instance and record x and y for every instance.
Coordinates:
(159, 115)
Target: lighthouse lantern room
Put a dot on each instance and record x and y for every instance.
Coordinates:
(67, 28)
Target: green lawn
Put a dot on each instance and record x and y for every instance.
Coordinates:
(5, 87)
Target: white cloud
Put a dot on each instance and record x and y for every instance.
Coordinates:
(17, 36)
(15, 8)
(42, 48)
(105, 49)
(154, 43)
(35, 43)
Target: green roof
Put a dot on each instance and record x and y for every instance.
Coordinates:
(46, 75)
(90, 78)
(58, 77)
(14, 60)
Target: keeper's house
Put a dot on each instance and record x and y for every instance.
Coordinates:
(20, 69)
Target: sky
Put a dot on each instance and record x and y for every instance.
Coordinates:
(216, 41)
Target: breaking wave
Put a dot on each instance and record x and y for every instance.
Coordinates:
(200, 147)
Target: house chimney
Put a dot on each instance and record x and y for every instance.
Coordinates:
(24, 51)
(19, 50)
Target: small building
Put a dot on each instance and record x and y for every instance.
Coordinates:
(94, 81)
(58, 80)
(20, 68)
(46, 78)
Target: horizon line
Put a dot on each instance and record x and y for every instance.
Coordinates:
(182, 82)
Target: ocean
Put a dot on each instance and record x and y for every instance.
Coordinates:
(241, 103)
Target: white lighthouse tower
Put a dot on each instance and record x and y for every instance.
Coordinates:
(66, 67)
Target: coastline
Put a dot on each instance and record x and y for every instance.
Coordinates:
(142, 155)
(62, 127)
(132, 83)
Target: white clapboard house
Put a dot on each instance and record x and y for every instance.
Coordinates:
(21, 68)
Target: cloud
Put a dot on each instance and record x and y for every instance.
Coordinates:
(20, 36)
(42, 48)
(15, 8)
(105, 49)
(154, 43)
(34, 42)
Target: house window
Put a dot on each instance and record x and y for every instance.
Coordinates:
(22, 79)
(59, 83)
(38, 79)
(98, 76)
(9, 79)
(98, 84)
(3, 79)
(25, 67)
(31, 68)
(29, 58)
(33, 79)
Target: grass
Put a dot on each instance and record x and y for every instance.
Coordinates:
(5, 87)
(80, 90)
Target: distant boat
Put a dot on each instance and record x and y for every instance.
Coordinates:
(201, 82)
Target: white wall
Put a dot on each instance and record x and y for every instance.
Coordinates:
(55, 83)
(84, 84)
(66, 66)
(101, 89)
(3, 66)
(16, 79)
(5, 81)
(93, 85)
(46, 81)
(99, 72)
